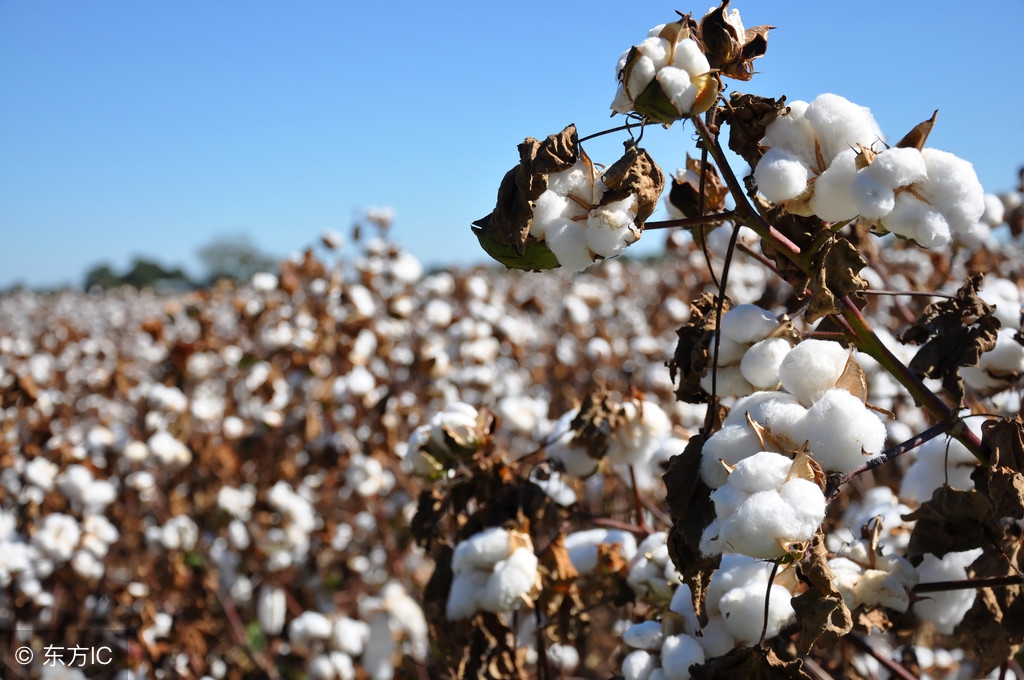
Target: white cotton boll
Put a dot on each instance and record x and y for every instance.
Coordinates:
(638, 665)
(689, 57)
(582, 546)
(781, 175)
(350, 635)
(763, 471)
(734, 571)
(577, 181)
(764, 407)
(812, 368)
(711, 539)
(511, 580)
(640, 76)
(568, 241)
(1005, 296)
(482, 550)
(872, 197)
(939, 461)
(309, 626)
(610, 231)
(760, 526)
(729, 351)
(841, 432)
(945, 609)
(728, 381)
(645, 635)
(953, 188)
(748, 324)
(636, 439)
(653, 33)
(548, 207)
(657, 49)
(808, 504)
(914, 219)
(564, 657)
(995, 212)
(465, 593)
(678, 653)
(677, 86)
(832, 200)
(761, 363)
(839, 124)
(790, 130)
(742, 608)
(716, 638)
(898, 167)
(271, 609)
(730, 445)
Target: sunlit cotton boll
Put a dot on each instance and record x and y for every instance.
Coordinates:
(742, 608)
(812, 368)
(568, 241)
(946, 609)
(582, 546)
(636, 439)
(841, 432)
(511, 579)
(678, 653)
(761, 363)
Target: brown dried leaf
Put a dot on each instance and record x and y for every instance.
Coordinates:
(594, 422)
(1004, 440)
(952, 521)
(823, 616)
(634, 173)
(835, 274)
(729, 47)
(689, 501)
(853, 379)
(750, 663)
(684, 193)
(692, 357)
(871, 620)
(952, 333)
(491, 653)
(748, 115)
(916, 138)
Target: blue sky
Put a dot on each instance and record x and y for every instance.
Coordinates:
(130, 128)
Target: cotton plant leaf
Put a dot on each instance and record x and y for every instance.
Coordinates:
(823, 616)
(835, 274)
(951, 521)
(634, 173)
(747, 116)
(952, 333)
(750, 663)
(684, 193)
(694, 350)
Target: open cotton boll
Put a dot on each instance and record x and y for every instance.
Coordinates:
(716, 639)
(582, 546)
(465, 592)
(781, 175)
(639, 436)
(729, 351)
(676, 84)
(578, 181)
(742, 609)
(812, 368)
(842, 433)
(872, 197)
(657, 49)
(747, 324)
(734, 571)
(832, 200)
(897, 167)
(638, 665)
(548, 208)
(640, 76)
(946, 609)
(689, 57)
(761, 363)
(762, 471)
(652, 575)
(791, 130)
(763, 407)
(730, 445)
(839, 124)
(760, 527)
(728, 380)
(678, 653)
(995, 211)
(808, 504)
(682, 604)
(953, 188)
(914, 219)
(940, 461)
(568, 241)
(482, 550)
(610, 228)
(644, 635)
(511, 579)
(1005, 296)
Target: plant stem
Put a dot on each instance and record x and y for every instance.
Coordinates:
(969, 584)
(690, 221)
(890, 665)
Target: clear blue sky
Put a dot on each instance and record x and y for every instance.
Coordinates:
(151, 128)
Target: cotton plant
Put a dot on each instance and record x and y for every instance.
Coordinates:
(494, 571)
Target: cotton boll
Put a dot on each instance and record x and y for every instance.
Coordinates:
(742, 608)
(610, 230)
(914, 219)
(716, 638)
(761, 363)
(678, 653)
(636, 439)
(682, 604)
(728, 381)
(812, 368)
(482, 550)
(676, 84)
(657, 49)
(953, 188)
(762, 471)
(465, 593)
(730, 445)
(945, 609)
(832, 200)
(790, 130)
(897, 167)
(577, 180)
(711, 539)
(872, 196)
(842, 433)
(309, 626)
(765, 407)
(640, 76)
(781, 175)
(734, 571)
(565, 658)
(568, 241)
(940, 461)
(808, 504)
(645, 635)
(839, 124)
(639, 665)
(729, 351)
(582, 546)
(689, 57)
(995, 212)
(548, 207)
(512, 578)
(760, 526)
(748, 324)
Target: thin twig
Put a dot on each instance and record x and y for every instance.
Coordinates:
(690, 221)
(890, 665)
(767, 603)
(627, 126)
(969, 584)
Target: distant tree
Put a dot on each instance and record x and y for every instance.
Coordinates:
(143, 273)
(102, 276)
(234, 257)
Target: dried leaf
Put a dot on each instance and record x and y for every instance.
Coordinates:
(536, 255)
(689, 501)
(875, 619)
(823, 616)
(834, 275)
(684, 193)
(1004, 440)
(952, 521)
(952, 333)
(916, 138)
(491, 653)
(853, 379)
(634, 173)
(692, 357)
(749, 663)
(729, 47)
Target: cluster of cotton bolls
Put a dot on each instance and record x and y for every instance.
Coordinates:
(869, 579)
(735, 605)
(825, 159)
(669, 61)
(493, 571)
(570, 218)
(751, 347)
